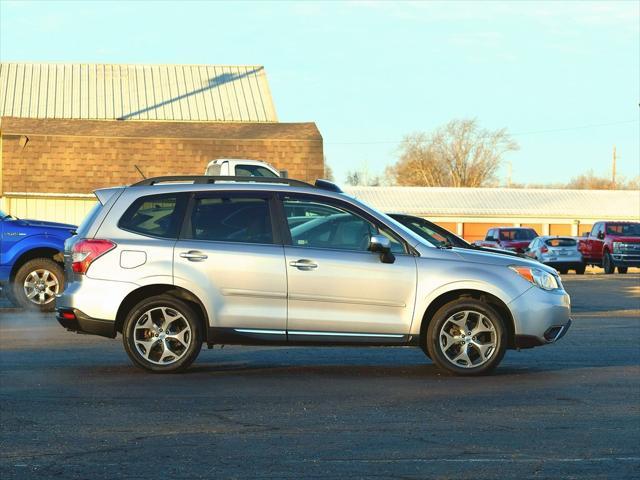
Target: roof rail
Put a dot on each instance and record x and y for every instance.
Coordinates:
(209, 179)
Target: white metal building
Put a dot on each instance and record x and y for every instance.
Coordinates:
(470, 212)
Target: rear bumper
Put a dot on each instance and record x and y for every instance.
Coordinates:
(76, 321)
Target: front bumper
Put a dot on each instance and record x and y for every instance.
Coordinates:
(569, 264)
(625, 260)
(540, 317)
(76, 321)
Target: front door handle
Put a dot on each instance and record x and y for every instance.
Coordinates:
(304, 264)
(194, 256)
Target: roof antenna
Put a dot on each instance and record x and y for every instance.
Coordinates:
(139, 171)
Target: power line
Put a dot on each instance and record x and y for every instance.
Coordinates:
(535, 132)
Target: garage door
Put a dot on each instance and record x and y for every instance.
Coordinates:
(560, 229)
(476, 231)
(451, 226)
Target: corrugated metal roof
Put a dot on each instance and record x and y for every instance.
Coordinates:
(503, 202)
(136, 92)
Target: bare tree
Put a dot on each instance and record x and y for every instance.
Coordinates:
(458, 154)
(328, 173)
(590, 181)
(358, 177)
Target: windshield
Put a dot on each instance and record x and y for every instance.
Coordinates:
(514, 234)
(434, 234)
(624, 229)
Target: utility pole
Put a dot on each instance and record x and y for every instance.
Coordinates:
(613, 169)
(509, 167)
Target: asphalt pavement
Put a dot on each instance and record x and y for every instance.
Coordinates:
(73, 406)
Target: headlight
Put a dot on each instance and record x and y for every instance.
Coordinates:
(537, 276)
(617, 246)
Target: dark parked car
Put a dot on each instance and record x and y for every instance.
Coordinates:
(439, 236)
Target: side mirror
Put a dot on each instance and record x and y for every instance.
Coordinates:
(382, 245)
(600, 235)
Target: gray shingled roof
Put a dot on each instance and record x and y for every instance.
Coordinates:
(136, 92)
(498, 202)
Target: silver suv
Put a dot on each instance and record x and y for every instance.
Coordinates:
(172, 262)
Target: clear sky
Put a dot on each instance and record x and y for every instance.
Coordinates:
(562, 77)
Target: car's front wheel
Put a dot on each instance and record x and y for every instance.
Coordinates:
(607, 263)
(466, 337)
(162, 334)
(36, 285)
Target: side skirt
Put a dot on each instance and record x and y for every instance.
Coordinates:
(253, 336)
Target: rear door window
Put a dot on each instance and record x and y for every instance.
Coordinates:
(231, 218)
(155, 215)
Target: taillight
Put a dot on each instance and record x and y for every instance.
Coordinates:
(544, 249)
(85, 252)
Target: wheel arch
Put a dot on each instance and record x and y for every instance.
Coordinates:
(154, 290)
(48, 252)
(498, 304)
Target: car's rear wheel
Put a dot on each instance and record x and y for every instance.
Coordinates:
(580, 270)
(36, 284)
(162, 334)
(607, 263)
(563, 271)
(622, 269)
(466, 337)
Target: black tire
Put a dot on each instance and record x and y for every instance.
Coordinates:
(622, 269)
(563, 271)
(580, 270)
(135, 316)
(607, 264)
(37, 266)
(444, 316)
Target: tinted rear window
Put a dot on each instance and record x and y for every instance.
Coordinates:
(231, 219)
(561, 242)
(155, 215)
(517, 234)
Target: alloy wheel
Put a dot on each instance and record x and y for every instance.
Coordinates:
(162, 335)
(41, 286)
(468, 339)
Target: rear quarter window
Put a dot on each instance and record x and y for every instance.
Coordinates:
(154, 215)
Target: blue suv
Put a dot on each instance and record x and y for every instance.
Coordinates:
(31, 261)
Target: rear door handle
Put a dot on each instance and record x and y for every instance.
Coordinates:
(304, 264)
(194, 256)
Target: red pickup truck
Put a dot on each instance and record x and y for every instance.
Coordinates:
(515, 239)
(611, 245)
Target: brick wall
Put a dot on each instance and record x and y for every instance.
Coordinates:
(63, 163)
